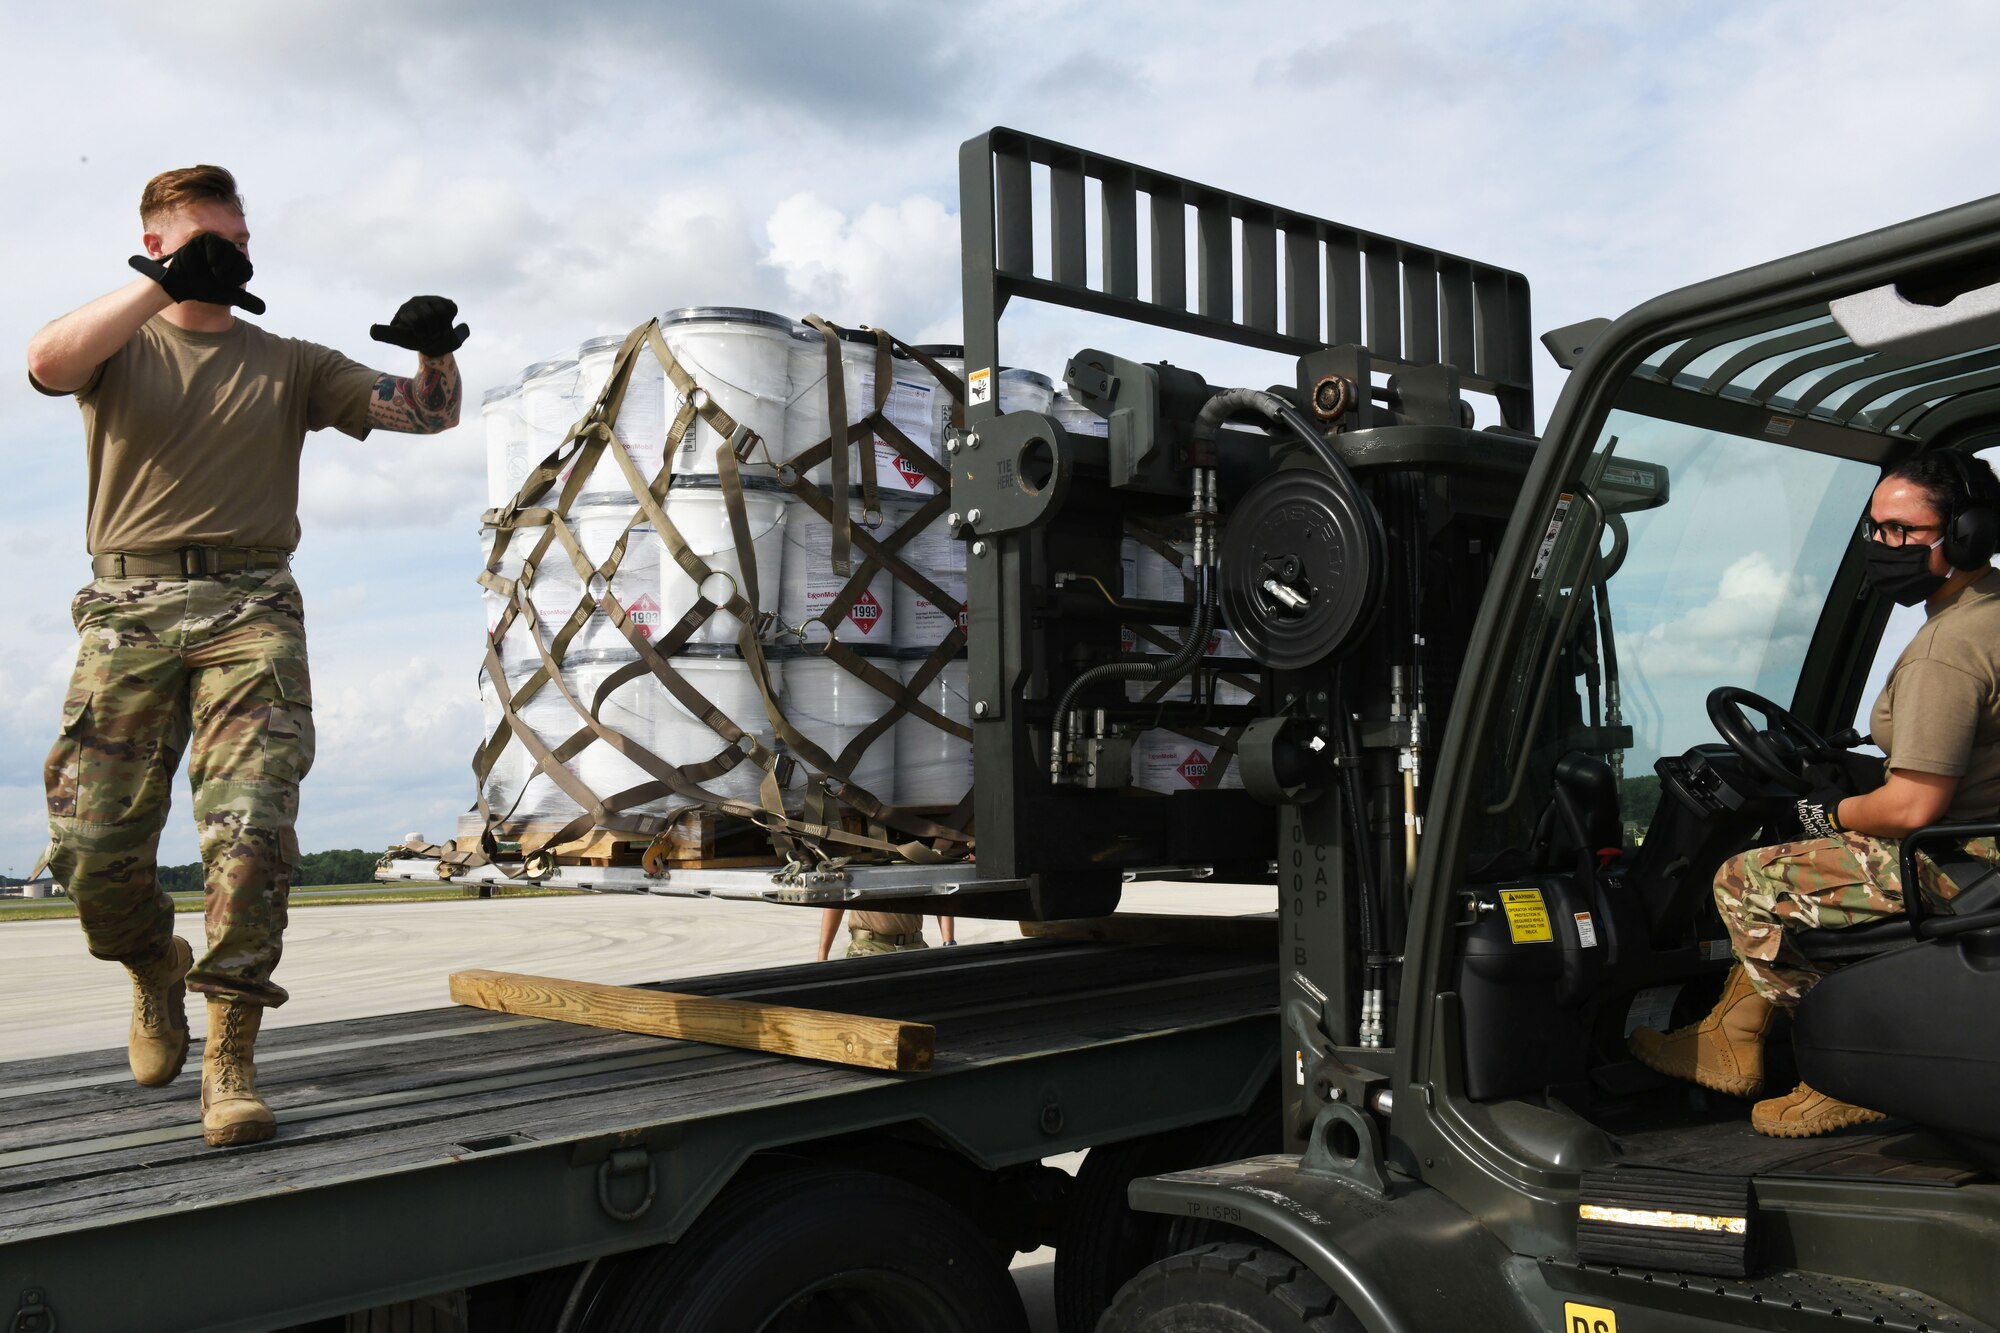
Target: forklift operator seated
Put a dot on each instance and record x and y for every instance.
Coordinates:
(1932, 528)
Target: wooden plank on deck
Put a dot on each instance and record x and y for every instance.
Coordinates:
(847, 1039)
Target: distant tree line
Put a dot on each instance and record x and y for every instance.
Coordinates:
(347, 865)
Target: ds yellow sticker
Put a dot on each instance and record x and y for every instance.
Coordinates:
(1588, 1319)
(1527, 917)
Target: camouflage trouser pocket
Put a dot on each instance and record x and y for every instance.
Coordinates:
(290, 741)
(62, 772)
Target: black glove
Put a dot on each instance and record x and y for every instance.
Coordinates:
(423, 325)
(205, 268)
(1815, 812)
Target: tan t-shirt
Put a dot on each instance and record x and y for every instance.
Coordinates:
(194, 438)
(1940, 710)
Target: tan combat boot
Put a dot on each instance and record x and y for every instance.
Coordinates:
(231, 1110)
(156, 1045)
(1725, 1051)
(1803, 1113)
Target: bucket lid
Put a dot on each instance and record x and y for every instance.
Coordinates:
(708, 481)
(955, 351)
(725, 314)
(807, 652)
(708, 652)
(609, 342)
(541, 368)
(856, 498)
(494, 395)
(1034, 377)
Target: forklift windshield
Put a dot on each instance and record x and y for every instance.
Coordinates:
(1683, 558)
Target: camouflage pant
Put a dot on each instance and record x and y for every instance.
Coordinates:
(863, 942)
(216, 667)
(1849, 879)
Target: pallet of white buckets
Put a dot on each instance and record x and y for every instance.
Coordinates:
(626, 696)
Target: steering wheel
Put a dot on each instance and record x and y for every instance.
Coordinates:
(1784, 766)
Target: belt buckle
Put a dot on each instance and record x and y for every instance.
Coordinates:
(194, 562)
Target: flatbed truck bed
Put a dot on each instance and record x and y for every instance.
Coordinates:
(428, 1151)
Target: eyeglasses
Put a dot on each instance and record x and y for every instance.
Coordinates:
(1892, 533)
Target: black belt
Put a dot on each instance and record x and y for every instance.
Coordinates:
(189, 562)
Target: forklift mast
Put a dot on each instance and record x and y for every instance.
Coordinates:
(1344, 540)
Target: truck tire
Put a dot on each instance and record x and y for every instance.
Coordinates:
(1227, 1289)
(1101, 1243)
(820, 1250)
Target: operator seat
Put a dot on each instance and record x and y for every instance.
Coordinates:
(1915, 1032)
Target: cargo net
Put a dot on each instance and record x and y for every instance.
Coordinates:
(686, 624)
(1183, 746)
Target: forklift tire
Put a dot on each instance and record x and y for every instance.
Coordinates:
(1227, 1289)
(821, 1250)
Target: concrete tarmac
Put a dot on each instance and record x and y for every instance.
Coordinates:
(364, 959)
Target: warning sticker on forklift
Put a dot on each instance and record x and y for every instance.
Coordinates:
(1586, 931)
(1588, 1318)
(979, 386)
(1549, 538)
(1527, 916)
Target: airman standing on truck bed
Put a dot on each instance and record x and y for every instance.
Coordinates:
(193, 632)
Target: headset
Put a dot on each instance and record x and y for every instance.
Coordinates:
(1972, 532)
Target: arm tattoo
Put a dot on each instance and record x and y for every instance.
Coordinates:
(425, 405)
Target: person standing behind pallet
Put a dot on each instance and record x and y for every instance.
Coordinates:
(192, 629)
(878, 932)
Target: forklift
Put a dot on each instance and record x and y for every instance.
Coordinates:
(1516, 700)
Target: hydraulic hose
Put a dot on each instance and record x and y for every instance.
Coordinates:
(1168, 668)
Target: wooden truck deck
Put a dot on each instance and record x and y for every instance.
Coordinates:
(425, 1150)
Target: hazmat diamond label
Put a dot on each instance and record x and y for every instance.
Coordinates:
(644, 613)
(1194, 768)
(866, 612)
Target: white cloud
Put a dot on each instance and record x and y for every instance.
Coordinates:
(1758, 613)
(562, 172)
(891, 266)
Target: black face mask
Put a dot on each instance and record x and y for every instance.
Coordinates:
(1902, 573)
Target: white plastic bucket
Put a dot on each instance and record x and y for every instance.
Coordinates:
(632, 711)
(519, 645)
(556, 587)
(934, 767)
(830, 707)
(641, 426)
(941, 557)
(549, 405)
(701, 515)
(951, 357)
(503, 780)
(680, 737)
(506, 430)
(743, 360)
(910, 406)
(1165, 761)
(1026, 390)
(809, 585)
(552, 720)
(1073, 416)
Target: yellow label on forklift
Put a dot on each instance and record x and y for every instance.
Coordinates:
(1588, 1319)
(979, 385)
(1527, 917)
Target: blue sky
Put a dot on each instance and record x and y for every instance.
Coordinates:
(563, 171)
